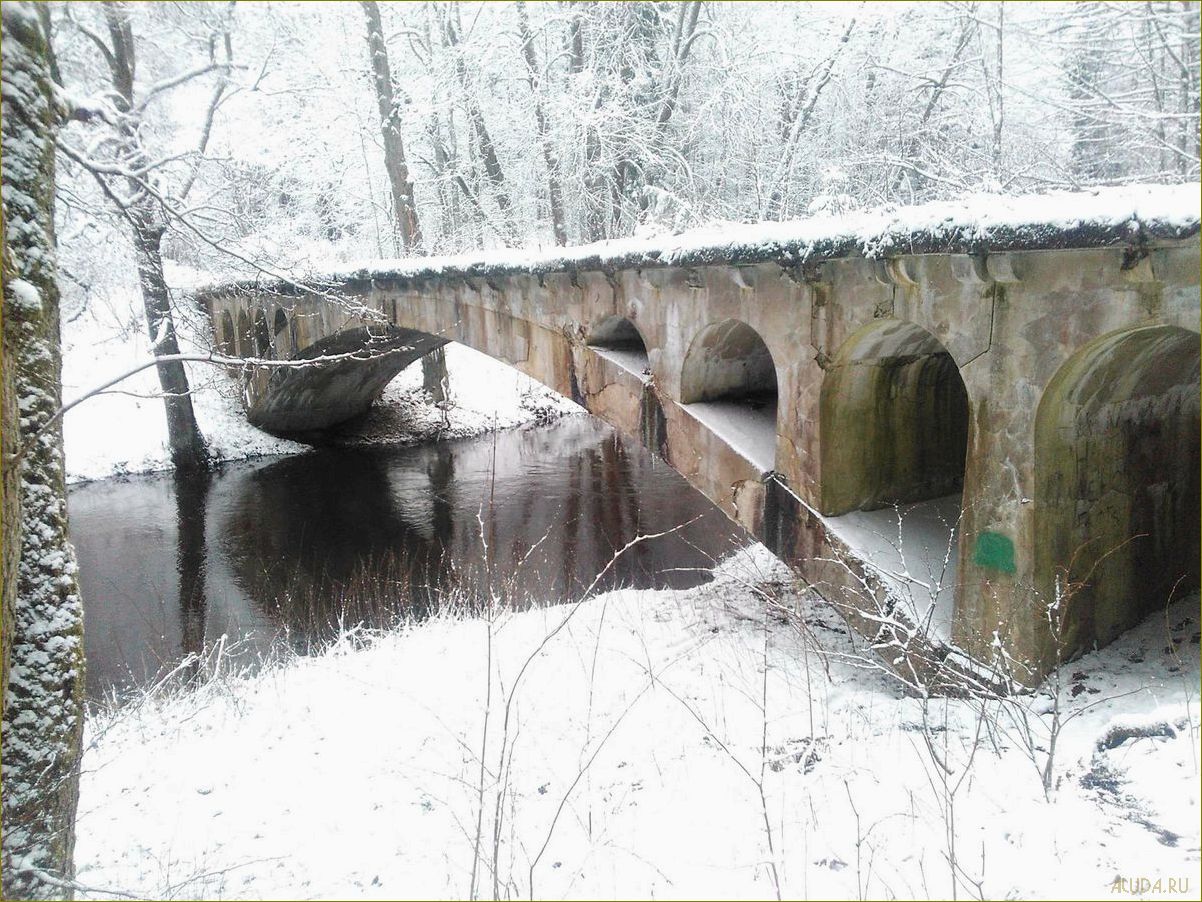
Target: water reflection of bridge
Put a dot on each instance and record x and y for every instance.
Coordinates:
(290, 547)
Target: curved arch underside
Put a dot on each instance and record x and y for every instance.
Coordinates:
(308, 399)
(617, 332)
(728, 383)
(727, 360)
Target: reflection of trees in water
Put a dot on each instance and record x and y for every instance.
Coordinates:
(612, 502)
(368, 535)
(364, 536)
(191, 505)
(317, 540)
(605, 506)
(606, 494)
(551, 541)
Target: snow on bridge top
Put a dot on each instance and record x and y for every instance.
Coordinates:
(1132, 216)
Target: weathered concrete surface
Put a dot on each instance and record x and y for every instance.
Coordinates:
(894, 380)
(894, 420)
(1117, 474)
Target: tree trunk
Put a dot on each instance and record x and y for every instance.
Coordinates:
(188, 450)
(481, 138)
(9, 442)
(43, 713)
(435, 378)
(595, 187)
(434, 364)
(390, 128)
(554, 190)
(448, 192)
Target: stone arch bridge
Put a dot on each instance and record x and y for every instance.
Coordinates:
(945, 419)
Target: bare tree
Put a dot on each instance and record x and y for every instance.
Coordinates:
(620, 115)
(408, 230)
(481, 140)
(796, 118)
(127, 174)
(593, 180)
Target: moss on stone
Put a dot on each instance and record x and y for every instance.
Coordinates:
(894, 421)
(1117, 485)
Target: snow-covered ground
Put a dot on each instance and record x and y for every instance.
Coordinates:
(628, 740)
(125, 430)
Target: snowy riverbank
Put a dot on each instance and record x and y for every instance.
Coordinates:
(637, 740)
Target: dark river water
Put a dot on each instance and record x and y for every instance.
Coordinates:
(281, 550)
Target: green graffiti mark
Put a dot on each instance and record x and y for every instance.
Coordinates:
(995, 551)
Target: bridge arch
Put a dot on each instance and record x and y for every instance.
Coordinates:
(617, 332)
(617, 338)
(728, 381)
(894, 420)
(300, 400)
(1117, 482)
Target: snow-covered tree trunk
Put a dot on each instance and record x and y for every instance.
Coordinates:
(435, 378)
(43, 714)
(554, 190)
(188, 450)
(11, 512)
(408, 228)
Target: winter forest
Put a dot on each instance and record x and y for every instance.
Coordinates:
(533, 125)
(579, 449)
